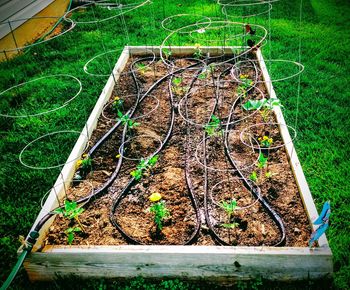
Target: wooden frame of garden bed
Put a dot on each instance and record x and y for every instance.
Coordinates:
(214, 263)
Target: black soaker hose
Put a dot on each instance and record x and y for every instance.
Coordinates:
(254, 189)
(133, 181)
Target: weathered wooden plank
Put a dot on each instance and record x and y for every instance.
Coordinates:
(183, 50)
(209, 262)
(304, 189)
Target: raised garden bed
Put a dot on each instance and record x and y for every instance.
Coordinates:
(211, 150)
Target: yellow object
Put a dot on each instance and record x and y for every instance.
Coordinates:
(79, 162)
(117, 156)
(155, 196)
(116, 98)
(197, 45)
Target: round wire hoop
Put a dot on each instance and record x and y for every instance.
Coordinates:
(47, 111)
(223, 24)
(85, 68)
(121, 12)
(299, 65)
(65, 186)
(170, 19)
(224, 11)
(39, 139)
(244, 133)
(134, 118)
(72, 25)
(241, 3)
(238, 208)
(230, 38)
(121, 148)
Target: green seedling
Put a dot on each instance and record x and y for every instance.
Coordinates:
(85, 163)
(270, 174)
(70, 232)
(245, 84)
(143, 166)
(229, 208)
(263, 103)
(262, 161)
(212, 128)
(177, 81)
(167, 53)
(71, 211)
(125, 119)
(198, 51)
(160, 214)
(141, 67)
(253, 176)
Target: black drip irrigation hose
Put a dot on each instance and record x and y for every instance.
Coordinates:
(127, 188)
(255, 190)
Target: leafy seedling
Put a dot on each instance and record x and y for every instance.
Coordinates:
(262, 161)
(177, 81)
(270, 174)
(167, 53)
(263, 103)
(70, 234)
(212, 128)
(71, 211)
(141, 67)
(229, 208)
(160, 214)
(198, 51)
(125, 119)
(143, 166)
(85, 163)
(253, 176)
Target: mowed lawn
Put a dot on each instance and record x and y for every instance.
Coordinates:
(320, 112)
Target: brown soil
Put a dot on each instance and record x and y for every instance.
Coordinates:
(252, 224)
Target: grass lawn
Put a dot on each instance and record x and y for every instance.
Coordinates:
(320, 112)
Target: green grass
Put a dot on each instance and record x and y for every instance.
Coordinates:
(322, 120)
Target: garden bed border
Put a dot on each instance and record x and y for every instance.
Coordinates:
(216, 263)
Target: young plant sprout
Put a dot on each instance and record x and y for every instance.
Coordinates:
(177, 81)
(159, 210)
(143, 166)
(198, 51)
(253, 176)
(167, 53)
(177, 86)
(229, 208)
(141, 67)
(212, 128)
(71, 210)
(84, 165)
(245, 84)
(270, 174)
(262, 104)
(265, 141)
(125, 119)
(70, 234)
(262, 161)
(117, 104)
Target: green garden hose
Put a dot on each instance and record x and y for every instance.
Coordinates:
(14, 270)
